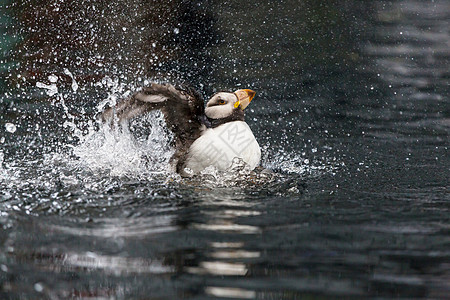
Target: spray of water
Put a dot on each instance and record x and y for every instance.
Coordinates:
(117, 152)
(98, 157)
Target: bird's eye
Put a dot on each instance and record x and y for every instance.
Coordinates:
(221, 101)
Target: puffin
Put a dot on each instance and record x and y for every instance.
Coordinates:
(212, 135)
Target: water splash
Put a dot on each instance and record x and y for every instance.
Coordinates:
(283, 161)
(74, 83)
(51, 89)
(92, 158)
(118, 152)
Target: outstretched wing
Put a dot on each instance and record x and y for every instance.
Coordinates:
(183, 109)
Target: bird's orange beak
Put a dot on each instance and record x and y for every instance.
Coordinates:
(244, 97)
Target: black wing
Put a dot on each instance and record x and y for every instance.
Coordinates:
(183, 111)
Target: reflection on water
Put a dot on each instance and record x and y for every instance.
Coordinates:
(116, 228)
(351, 111)
(223, 292)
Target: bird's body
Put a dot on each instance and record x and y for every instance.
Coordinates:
(211, 136)
(220, 145)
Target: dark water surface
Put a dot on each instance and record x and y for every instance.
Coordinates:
(352, 113)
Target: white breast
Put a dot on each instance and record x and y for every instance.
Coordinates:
(219, 146)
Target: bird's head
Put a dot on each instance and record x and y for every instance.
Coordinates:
(225, 104)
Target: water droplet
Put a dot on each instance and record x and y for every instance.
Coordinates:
(51, 89)
(38, 287)
(74, 83)
(11, 128)
(53, 78)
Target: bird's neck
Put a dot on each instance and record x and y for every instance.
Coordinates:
(237, 115)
